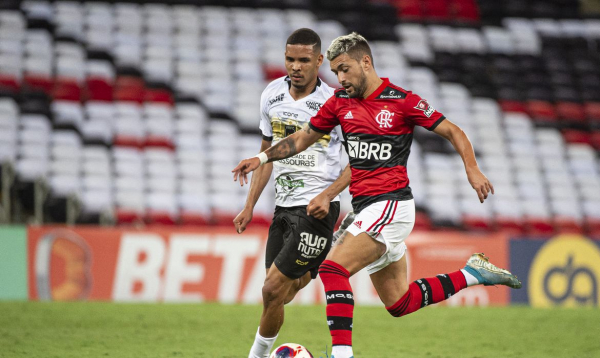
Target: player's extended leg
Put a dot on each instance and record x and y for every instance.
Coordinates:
(277, 290)
(299, 284)
(401, 298)
(349, 255)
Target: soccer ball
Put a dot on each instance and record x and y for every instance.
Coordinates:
(291, 350)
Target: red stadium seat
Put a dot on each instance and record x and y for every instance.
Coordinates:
(510, 226)
(465, 10)
(571, 112)
(592, 110)
(130, 89)
(9, 82)
(157, 141)
(422, 221)
(567, 226)
(538, 227)
(542, 112)
(576, 136)
(409, 9)
(274, 72)
(191, 218)
(38, 83)
(66, 89)
(265, 221)
(513, 106)
(222, 218)
(595, 140)
(128, 94)
(592, 228)
(160, 218)
(98, 89)
(473, 223)
(158, 95)
(128, 141)
(436, 10)
(127, 216)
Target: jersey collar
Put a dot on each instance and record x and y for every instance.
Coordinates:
(379, 89)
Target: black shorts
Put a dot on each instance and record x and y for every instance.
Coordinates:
(299, 243)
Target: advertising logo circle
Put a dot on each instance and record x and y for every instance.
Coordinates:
(565, 272)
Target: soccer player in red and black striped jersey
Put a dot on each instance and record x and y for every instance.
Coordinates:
(377, 120)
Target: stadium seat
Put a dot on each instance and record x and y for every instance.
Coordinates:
(542, 112)
(87, 55)
(576, 136)
(592, 110)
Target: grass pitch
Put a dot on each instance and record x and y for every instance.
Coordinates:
(34, 329)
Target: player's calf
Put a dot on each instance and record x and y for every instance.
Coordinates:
(423, 292)
(426, 291)
(340, 307)
(299, 284)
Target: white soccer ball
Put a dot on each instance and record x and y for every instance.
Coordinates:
(291, 350)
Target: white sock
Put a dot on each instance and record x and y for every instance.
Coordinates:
(471, 280)
(341, 352)
(262, 346)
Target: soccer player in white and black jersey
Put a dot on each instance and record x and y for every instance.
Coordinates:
(377, 120)
(307, 185)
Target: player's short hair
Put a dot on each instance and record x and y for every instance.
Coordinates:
(354, 45)
(305, 36)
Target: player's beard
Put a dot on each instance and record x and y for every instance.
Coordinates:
(360, 87)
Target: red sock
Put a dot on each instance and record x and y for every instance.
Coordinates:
(426, 291)
(340, 302)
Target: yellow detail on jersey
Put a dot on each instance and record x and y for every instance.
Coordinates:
(283, 127)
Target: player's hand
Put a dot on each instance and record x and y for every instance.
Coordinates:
(318, 206)
(480, 183)
(242, 219)
(243, 168)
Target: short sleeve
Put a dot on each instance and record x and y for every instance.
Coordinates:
(421, 113)
(326, 119)
(265, 121)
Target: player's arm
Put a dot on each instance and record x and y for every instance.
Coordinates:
(319, 205)
(259, 180)
(463, 146)
(285, 148)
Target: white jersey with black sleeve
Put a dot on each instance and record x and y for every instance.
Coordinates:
(300, 178)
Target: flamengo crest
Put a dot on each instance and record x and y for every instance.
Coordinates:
(384, 118)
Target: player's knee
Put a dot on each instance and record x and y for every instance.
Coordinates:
(395, 314)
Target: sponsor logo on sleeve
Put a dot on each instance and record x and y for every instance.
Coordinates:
(425, 107)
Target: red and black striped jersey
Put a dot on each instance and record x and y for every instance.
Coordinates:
(378, 131)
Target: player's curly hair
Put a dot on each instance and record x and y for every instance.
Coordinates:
(354, 45)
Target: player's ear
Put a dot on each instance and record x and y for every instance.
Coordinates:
(366, 62)
(320, 60)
